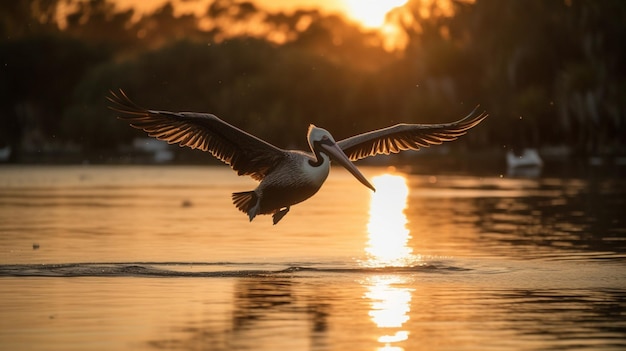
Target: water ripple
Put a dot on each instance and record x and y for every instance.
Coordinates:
(178, 269)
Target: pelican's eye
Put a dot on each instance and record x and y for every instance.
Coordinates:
(326, 140)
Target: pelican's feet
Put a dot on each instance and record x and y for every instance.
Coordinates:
(280, 214)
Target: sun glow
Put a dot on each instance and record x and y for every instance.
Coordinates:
(371, 13)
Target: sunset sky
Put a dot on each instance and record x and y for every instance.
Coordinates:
(369, 13)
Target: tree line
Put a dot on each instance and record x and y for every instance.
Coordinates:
(550, 73)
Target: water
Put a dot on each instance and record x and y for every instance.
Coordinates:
(157, 258)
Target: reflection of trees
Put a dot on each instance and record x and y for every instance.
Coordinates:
(564, 315)
(579, 217)
(522, 218)
(556, 64)
(520, 317)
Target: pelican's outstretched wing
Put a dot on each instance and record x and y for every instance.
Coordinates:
(245, 153)
(406, 137)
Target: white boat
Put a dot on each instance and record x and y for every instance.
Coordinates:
(528, 163)
(528, 158)
(5, 153)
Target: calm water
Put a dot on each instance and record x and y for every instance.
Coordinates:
(157, 258)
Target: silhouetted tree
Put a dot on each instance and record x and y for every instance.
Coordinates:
(548, 72)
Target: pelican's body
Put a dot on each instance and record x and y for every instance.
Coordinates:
(293, 181)
(287, 177)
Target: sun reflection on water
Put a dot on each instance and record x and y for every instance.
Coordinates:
(387, 246)
(390, 306)
(387, 226)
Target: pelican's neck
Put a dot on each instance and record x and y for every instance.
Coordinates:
(320, 158)
(317, 169)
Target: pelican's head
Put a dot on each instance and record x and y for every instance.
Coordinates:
(322, 142)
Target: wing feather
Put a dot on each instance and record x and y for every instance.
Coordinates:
(401, 137)
(245, 153)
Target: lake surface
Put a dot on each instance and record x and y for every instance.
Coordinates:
(158, 258)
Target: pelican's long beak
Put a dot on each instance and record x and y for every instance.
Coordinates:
(337, 154)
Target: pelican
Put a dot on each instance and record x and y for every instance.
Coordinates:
(287, 177)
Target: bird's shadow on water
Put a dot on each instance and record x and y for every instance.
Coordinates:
(258, 302)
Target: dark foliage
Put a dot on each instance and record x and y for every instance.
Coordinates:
(549, 72)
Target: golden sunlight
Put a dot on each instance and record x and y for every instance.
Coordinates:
(371, 13)
(388, 234)
(390, 305)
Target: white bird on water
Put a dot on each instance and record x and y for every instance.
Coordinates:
(287, 177)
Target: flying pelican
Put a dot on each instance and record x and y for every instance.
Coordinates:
(287, 177)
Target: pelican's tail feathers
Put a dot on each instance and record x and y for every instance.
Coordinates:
(247, 202)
